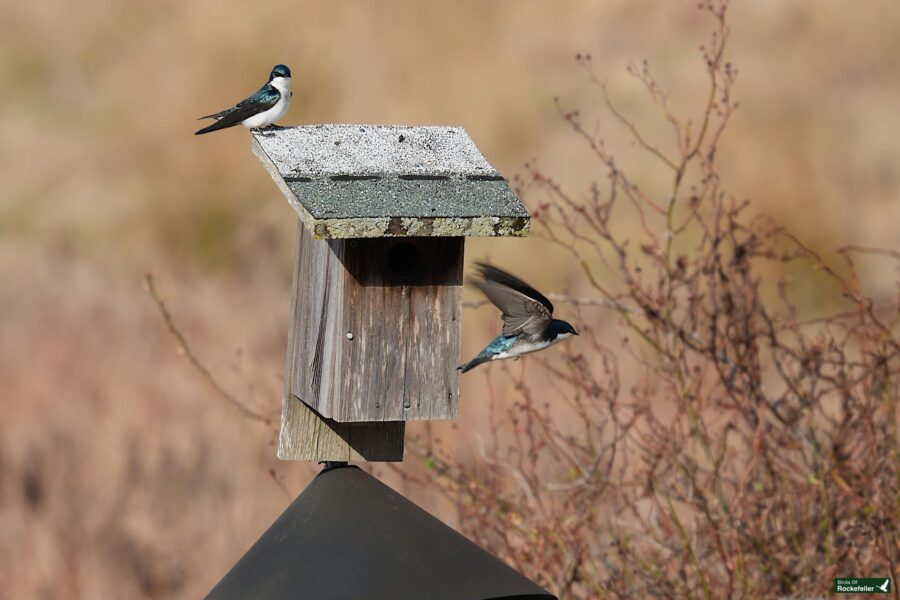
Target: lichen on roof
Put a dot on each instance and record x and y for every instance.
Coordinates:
(383, 180)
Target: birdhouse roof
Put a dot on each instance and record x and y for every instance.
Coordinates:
(358, 181)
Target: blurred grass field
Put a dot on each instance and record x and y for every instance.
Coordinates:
(121, 473)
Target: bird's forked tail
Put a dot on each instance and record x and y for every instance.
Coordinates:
(481, 358)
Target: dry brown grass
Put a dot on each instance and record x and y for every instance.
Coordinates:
(123, 475)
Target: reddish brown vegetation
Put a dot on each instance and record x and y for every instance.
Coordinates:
(755, 453)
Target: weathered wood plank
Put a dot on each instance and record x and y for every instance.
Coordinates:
(316, 323)
(408, 292)
(306, 435)
(382, 441)
(432, 381)
(316, 301)
(399, 301)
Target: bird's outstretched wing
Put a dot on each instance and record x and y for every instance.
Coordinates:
(525, 310)
(261, 101)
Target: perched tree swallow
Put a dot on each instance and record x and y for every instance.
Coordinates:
(259, 110)
(528, 323)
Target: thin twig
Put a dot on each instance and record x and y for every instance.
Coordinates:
(183, 346)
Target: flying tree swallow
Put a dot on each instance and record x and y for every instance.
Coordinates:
(528, 323)
(259, 110)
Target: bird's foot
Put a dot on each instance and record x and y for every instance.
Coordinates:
(269, 130)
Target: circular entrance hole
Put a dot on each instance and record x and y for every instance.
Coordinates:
(404, 258)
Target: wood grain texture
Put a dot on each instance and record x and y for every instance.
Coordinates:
(401, 300)
(409, 295)
(306, 435)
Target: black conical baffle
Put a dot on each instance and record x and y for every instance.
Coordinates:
(349, 536)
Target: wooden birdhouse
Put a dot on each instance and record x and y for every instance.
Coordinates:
(374, 331)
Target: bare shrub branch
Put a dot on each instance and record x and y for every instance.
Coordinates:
(185, 349)
(731, 445)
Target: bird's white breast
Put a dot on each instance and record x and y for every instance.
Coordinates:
(526, 346)
(267, 117)
(520, 348)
